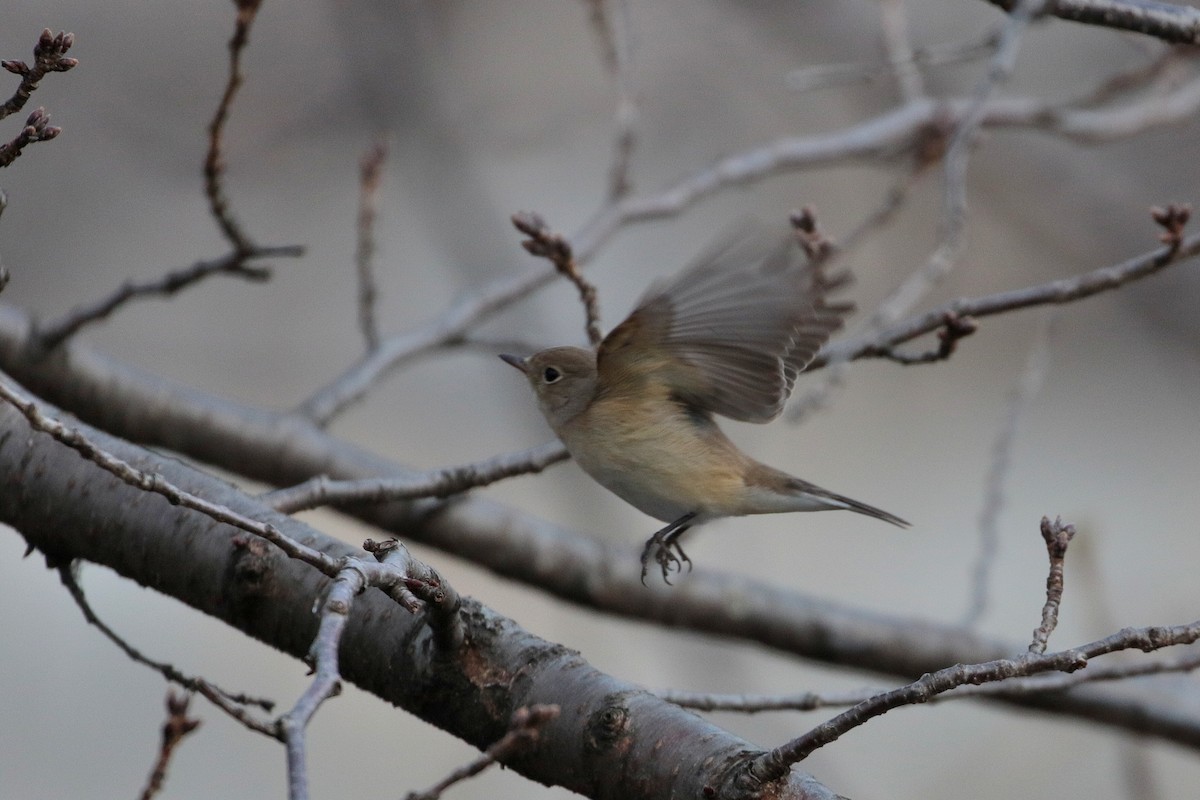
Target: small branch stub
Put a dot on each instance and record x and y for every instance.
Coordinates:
(49, 55)
(1173, 219)
(544, 243)
(954, 328)
(1057, 536)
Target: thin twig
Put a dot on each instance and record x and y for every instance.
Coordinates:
(953, 329)
(370, 177)
(522, 735)
(1009, 687)
(37, 129)
(881, 138)
(893, 17)
(1027, 389)
(442, 482)
(954, 193)
(546, 244)
(1058, 292)
(1135, 78)
(49, 55)
(1057, 536)
(214, 163)
(177, 726)
(806, 79)
(610, 20)
(52, 334)
(756, 703)
(323, 655)
(229, 702)
(770, 766)
(153, 482)
(1000, 69)
(819, 394)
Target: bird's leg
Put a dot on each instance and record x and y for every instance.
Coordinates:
(662, 543)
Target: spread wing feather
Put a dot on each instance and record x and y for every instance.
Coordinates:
(730, 333)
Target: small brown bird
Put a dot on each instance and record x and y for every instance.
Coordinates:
(726, 336)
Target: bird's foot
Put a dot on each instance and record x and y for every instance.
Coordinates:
(667, 553)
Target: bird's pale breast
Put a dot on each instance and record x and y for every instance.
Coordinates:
(654, 454)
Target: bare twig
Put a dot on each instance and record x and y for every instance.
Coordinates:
(885, 212)
(1009, 687)
(770, 766)
(898, 46)
(177, 726)
(522, 735)
(806, 79)
(448, 328)
(1166, 21)
(957, 153)
(49, 55)
(442, 482)
(1058, 292)
(546, 244)
(323, 655)
(1138, 77)
(610, 20)
(817, 247)
(1172, 219)
(1028, 387)
(370, 176)
(1057, 536)
(214, 163)
(153, 482)
(52, 334)
(818, 394)
(232, 704)
(881, 138)
(952, 330)
(238, 262)
(756, 703)
(37, 129)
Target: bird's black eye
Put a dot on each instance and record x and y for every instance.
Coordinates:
(551, 375)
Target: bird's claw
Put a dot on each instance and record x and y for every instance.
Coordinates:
(668, 554)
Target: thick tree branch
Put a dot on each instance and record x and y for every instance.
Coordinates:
(284, 449)
(1166, 21)
(607, 743)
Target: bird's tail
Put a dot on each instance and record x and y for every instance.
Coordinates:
(828, 499)
(862, 508)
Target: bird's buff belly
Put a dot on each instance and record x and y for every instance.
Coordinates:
(654, 478)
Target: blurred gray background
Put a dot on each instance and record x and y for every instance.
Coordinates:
(493, 108)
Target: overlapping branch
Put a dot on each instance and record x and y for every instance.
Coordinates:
(893, 134)
(469, 685)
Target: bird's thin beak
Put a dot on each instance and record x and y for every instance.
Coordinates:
(516, 361)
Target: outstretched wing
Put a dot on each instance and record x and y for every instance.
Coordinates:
(730, 333)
